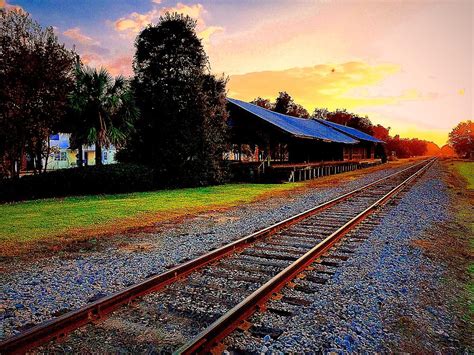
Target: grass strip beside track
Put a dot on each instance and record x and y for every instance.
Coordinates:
(33, 220)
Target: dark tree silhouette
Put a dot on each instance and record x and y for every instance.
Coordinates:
(36, 77)
(181, 132)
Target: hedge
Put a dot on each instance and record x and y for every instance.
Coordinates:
(106, 179)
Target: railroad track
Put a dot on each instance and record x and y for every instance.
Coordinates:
(204, 300)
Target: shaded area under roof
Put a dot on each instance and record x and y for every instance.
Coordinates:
(299, 127)
(353, 132)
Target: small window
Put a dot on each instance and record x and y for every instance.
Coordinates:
(60, 156)
(104, 156)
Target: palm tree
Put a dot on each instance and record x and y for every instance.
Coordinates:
(104, 109)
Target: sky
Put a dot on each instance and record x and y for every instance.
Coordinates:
(407, 65)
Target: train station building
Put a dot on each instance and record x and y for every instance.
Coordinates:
(264, 142)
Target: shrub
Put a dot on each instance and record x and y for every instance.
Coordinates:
(114, 178)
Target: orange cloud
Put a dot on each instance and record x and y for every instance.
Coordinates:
(135, 22)
(5, 5)
(326, 85)
(205, 35)
(76, 34)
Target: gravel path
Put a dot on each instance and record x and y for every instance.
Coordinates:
(386, 293)
(46, 288)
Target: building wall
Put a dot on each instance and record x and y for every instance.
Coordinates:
(61, 157)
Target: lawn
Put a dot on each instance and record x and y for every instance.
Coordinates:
(34, 220)
(466, 169)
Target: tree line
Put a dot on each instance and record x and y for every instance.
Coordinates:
(461, 137)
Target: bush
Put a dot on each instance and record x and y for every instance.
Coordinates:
(106, 179)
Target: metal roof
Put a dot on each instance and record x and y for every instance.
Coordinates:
(355, 133)
(299, 127)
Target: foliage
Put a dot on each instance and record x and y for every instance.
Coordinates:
(285, 104)
(461, 138)
(103, 110)
(381, 132)
(346, 118)
(36, 77)
(182, 129)
(405, 147)
(320, 113)
(112, 178)
(265, 103)
(363, 124)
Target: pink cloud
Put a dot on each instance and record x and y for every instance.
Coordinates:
(76, 34)
(120, 65)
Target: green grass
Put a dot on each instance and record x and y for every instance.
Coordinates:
(466, 169)
(32, 220)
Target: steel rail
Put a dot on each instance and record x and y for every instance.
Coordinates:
(210, 337)
(57, 328)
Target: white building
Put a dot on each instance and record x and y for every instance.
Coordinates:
(62, 157)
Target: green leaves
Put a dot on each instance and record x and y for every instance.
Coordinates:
(104, 107)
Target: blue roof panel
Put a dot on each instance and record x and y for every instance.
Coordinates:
(351, 131)
(300, 127)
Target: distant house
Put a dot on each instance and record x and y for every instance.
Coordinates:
(61, 156)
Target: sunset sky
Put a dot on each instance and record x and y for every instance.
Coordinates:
(406, 64)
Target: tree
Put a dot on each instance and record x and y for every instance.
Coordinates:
(181, 132)
(298, 111)
(381, 132)
(285, 104)
(36, 77)
(363, 124)
(349, 119)
(339, 116)
(265, 103)
(405, 147)
(103, 110)
(320, 113)
(461, 138)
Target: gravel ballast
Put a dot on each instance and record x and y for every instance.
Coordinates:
(387, 297)
(43, 289)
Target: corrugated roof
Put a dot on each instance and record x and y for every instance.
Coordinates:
(300, 127)
(355, 133)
